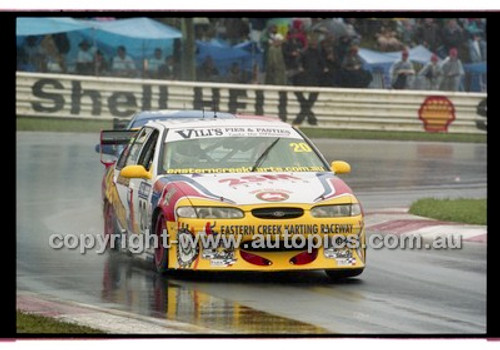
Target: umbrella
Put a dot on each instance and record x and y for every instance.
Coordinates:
(333, 26)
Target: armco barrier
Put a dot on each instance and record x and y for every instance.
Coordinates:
(74, 96)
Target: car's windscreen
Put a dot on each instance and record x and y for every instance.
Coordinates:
(239, 154)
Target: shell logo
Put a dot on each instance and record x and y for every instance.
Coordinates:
(437, 113)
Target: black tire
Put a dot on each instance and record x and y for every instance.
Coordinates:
(160, 258)
(338, 274)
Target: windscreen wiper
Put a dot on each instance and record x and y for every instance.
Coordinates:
(264, 155)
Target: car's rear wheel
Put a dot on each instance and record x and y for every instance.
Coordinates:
(342, 274)
(161, 252)
(110, 227)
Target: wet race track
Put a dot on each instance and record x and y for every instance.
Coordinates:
(401, 291)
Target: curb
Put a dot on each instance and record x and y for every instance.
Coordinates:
(106, 320)
(398, 221)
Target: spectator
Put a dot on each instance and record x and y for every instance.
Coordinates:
(475, 25)
(84, 59)
(31, 56)
(477, 48)
(153, 64)
(257, 25)
(169, 70)
(452, 71)
(427, 34)
(54, 61)
(453, 36)
(275, 67)
(101, 66)
(331, 65)
(402, 72)
(292, 50)
(123, 65)
(62, 44)
(297, 32)
(235, 75)
(431, 74)
(342, 47)
(387, 40)
(406, 30)
(312, 64)
(207, 70)
(265, 41)
(237, 30)
(352, 73)
(350, 24)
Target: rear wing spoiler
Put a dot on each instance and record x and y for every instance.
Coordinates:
(112, 142)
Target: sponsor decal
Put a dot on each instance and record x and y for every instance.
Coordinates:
(336, 228)
(144, 190)
(204, 132)
(122, 180)
(244, 169)
(272, 196)
(300, 147)
(437, 113)
(346, 261)
(220, 255)
(186, 253)
(246, 180)
(301, 229)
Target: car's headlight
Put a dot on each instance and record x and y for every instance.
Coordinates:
(335, 211)
(209, 213)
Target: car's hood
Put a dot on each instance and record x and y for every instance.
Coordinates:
(261, 188)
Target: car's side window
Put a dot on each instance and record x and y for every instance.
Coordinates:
(123, 157)
(148, 151)
(131, 153)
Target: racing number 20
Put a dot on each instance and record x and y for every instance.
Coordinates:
(300, 147)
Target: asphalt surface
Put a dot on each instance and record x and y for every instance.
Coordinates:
(401, 291)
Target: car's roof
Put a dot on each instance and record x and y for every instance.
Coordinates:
(180, 114)
(239, 121)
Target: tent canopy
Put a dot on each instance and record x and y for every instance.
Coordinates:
(140, 36)
(224, 55)
(137, 28)
(47, 25)
(418, 54)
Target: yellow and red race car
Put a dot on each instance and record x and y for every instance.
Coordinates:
(236, 194)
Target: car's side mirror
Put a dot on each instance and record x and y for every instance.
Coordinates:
(135, 172)
(340, 167)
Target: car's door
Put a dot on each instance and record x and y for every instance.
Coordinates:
(141, 189)
(129, 156)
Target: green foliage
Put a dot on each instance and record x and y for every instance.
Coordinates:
(468, 211)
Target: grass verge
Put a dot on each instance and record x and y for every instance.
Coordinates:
(34, 324)
(62, 124)
(392, 135)
(467, 211)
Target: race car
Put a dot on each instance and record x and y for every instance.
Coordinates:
(236, 194)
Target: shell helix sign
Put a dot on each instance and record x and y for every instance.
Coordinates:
(437, 113)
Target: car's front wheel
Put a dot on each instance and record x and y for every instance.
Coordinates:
(337, 274)
(161, 250)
